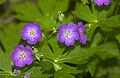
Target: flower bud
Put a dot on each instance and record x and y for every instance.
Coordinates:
(57, 67)
(61, 16)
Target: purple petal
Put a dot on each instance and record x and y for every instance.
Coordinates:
(29, 50)
(18, 48)
(75, 35)
(80, 24)
(31, 41)
(29, 60)
(72, 26)
(83, 39)
(62, 28)
(24, 35)
(98, 2)
(27, 26)
(37, 25)
(106, 2)
(20, 63)
(69, 41)
(82, 29)
(14, 56)
(38, 36)
(61, 37)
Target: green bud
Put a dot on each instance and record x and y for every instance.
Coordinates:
(35, 50)
(37, 54)
(54, 30)
(61, 16)
(57, 67)
(84, 1)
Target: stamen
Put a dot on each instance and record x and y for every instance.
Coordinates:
(32, 33)
(22, 55)
(67, 33)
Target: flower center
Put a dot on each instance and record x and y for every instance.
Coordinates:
(32, 33)
(67, 33)
(22, 55)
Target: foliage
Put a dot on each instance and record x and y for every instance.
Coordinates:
(99, 58)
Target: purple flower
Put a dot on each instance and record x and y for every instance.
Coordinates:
(100, 2)
(32, 33)
(68, 34)
(81, 31)
(22, 55)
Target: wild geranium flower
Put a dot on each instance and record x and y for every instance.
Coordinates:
(81, 31)
(32, 33)
(22, 55)
(100, 2)
(68, 34)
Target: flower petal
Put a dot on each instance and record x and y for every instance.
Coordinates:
(72, 26)
(80, 24)
(62, 28)
(14, 56)
(20, 63)
(98, 2)
(106, 2)
(61, 37)
(38, 36)
(31, 41)
(75, 35)
(83, 39)
(69, 41)
(29, 60)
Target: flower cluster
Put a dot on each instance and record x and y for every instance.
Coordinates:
(100, 2)
(70, 33)
(24, 55)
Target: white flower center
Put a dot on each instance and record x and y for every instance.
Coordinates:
(32, 33)
(67, 33)
(22, 55)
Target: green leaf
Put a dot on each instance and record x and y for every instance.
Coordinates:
(46, 51)
(110, 23)
(26, 12)
(103, 12)
(81, 54)
(2, 1)
(107, 50)
(57, 49)
(10, 36)
(90, 29)
(37, 72)
(108, 67)
(69, 69)
(118, 37)
(63, 75)
(91, 67)
(96, 39)
(83, 12)
(5, 62)
(53, 8)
